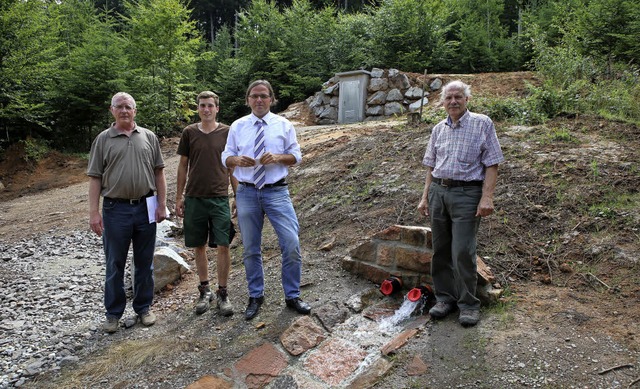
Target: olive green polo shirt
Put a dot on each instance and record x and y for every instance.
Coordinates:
(126, 165)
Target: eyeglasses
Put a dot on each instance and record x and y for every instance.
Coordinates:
(125, 107)
(256, 97)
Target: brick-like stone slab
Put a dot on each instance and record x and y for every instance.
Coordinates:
(416, 236)
(334, 361)
(302, 335)
(389, 233)
(415, 259)
(386, 255)
(417, 366)
(397, 342)
(371, 375)
(261, 365)
(365, 252)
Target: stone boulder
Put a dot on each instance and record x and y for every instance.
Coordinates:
(168, 267)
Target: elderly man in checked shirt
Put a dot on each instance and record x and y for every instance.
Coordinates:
(462, 160)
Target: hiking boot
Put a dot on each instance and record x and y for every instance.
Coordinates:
(469, 317)
(111, 324)
(441, 309)
(224, 305)
(148, 318)
(204, 300)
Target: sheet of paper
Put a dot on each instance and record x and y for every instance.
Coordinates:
(152, 204)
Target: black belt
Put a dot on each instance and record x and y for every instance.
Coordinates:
(446, 182)
(131, 201)
(282, 182)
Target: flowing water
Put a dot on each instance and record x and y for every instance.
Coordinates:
(388, 324)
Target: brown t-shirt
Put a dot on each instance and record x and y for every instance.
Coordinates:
(207, 176)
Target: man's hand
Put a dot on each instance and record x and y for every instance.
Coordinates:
(95, 222)
(268, 158)
(423, 207)
(180, 207)
(485, 206)
(241, 161)
(161, 213)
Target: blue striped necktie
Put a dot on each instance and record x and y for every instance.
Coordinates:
(258, 150)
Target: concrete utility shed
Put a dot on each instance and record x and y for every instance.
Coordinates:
(353, 95)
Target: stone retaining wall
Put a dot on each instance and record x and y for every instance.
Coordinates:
(389, 93)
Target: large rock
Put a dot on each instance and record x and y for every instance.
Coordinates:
(333, 89)
(416, 106)
(393, 108)
(377, 98)
(376, 84)
(414, 93)
(168, 267)
(375, 110)
(377, 72)
(317, 100)
(394, 95)
(436, 84)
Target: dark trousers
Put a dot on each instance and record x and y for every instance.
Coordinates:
(125, 224)
(454, 227)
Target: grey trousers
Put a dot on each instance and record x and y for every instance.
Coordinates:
(454, 227)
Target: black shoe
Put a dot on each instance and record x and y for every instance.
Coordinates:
(253, 307)
(299, 305)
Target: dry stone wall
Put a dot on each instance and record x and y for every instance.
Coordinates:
(389, 93)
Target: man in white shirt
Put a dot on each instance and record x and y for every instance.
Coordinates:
(261, 147)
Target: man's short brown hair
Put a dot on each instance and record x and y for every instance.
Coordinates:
(208, 95)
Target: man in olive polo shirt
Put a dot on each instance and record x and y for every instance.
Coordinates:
(126, 167)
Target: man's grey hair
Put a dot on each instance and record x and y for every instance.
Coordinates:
(120, 95)
(457, 84)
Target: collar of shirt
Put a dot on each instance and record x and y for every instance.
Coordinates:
(266, 118)
(114, 132)
(461, 122)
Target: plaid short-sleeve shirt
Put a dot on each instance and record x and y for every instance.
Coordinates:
(464, 151)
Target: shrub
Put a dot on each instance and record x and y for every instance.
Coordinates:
(34, 149)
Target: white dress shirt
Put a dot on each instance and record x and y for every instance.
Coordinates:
(280, 138)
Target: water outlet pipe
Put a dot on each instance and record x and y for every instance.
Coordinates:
(421, 292)
(391, 285)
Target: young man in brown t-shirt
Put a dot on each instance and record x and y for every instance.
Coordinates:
(205, 203)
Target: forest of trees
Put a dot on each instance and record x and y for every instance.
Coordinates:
(62, 60)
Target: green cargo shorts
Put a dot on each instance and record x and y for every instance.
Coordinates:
(207, 219)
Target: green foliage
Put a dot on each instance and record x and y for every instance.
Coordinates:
(29, 55)
(352, 30)
(34, 149)
(93, 71)
(410, 34)
(60, 61)
(162, 44)
(232, 81)
(516, 110)
(209, 61)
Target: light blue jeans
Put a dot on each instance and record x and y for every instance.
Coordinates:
(454, 227)
(125, 224)
(252, 205)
